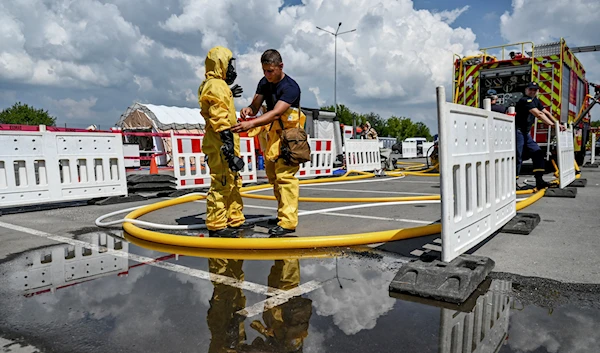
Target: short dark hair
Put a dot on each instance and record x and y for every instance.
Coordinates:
(271, 57)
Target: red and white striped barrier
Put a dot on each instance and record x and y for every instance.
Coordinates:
(248, 155)
(189, 163)
(321, 159)
(190, 166)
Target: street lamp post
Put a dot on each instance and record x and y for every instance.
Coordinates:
(335, 35)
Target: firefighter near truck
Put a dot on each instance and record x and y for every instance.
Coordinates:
(506, 70)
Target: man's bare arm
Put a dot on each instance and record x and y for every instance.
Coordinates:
(254, 107)
(542, 116)
(267, 118)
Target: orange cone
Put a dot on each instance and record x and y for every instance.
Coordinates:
(153, 167)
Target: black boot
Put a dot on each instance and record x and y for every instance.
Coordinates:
(223, 233)
(280, 232)
(540, 183)
(244, 225)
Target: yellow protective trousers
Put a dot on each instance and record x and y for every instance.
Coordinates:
(286, 188)
(224, 206)
(226, 327)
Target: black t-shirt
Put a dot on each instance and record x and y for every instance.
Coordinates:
(498, 108)
(524, 119)
(286, 90)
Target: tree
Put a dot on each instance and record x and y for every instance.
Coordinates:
(400, 128)
(23, 114)
(423, 131)
(595, 123)
(344, 114)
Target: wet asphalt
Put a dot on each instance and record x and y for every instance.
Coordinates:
(57, 297)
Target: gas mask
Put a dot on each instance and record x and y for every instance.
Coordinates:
(230, 75)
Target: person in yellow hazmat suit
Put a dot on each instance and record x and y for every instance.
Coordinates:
(285, 326)
(224, 207)
(225, 324)
(282, 96)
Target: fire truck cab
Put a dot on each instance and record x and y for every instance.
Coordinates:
(506, 70)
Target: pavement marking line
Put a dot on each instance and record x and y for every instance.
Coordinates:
(416, 181)
(377, 218)
(336, 183)
(277, 300)
(374, 192)
(329, 212)
(253, 287)
(305, 288)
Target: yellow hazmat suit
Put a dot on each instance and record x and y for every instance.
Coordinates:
(224, 204)
(286, 325)
(286, 186)
(226, 327)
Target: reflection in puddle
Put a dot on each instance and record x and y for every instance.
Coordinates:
(284, 327)
(60, 266)
(289, 305)
(481, 330)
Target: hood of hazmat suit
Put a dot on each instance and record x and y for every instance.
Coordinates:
(224, 204)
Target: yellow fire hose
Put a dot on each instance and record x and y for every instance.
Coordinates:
(280, 243)
(287, 254)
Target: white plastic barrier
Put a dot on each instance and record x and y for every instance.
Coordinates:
(56, 267)
(190, 166)
(44, 167)
(482, 330)
(131, 152)
(477, 150)
(321, 159)
(566, 156)
(362, 155)
(387, 142)
(409, 149)
(427, 149)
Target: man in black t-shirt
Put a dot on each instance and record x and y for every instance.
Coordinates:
(282, 96)
(528, 109)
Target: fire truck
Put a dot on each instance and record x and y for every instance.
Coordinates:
(506, 70)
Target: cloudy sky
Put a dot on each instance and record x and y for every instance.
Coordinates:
(86, 61)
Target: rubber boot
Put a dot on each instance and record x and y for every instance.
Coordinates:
(539, 181)
(224, 233)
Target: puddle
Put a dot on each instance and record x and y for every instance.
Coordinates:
(72, 298)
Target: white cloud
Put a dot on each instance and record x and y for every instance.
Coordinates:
(534, 329)
(363, 299)
(543, 21)
(450, 16)
(317, 91)
(144, 83)
(390, 65)
(72, 108)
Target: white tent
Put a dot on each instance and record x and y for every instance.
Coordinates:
(160, 118)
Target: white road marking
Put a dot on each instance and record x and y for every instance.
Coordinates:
(253, 287)
(331, 211)
(272, 302)
(378, 218)
(374, 192)
(362, 181)
(416, 181)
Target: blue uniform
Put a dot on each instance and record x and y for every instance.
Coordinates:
(286, 90)
(526, 147)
